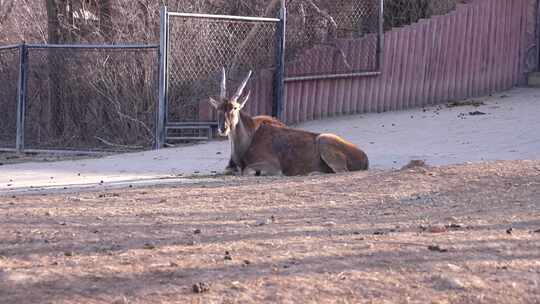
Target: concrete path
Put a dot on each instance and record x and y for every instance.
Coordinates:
(509, 130)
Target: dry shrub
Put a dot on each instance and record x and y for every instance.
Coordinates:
(403, 12)
(91, 98)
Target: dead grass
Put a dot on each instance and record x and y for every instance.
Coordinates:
(419, 235)
(8, 158)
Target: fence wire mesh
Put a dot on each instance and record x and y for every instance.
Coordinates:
(91, 98)
(332, 37)
(199, 48)
(403, 12)
(9, 80)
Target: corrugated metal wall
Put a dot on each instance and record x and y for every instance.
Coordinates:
(477, 49)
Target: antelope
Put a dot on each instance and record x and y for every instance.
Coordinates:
(239, 140)
(277, 150)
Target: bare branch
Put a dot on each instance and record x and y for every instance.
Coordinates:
(252, 34)
(6, 6)
(342, 54)
(108, 143)
(332, 33)
(324, 14)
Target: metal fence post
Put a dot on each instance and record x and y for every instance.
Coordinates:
(21, 96)
(538, 35)
(163, 75)
(380, 45)
(279, 78)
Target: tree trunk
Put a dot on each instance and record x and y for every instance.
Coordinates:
(56, 125)
(53, 24)
(105, 20)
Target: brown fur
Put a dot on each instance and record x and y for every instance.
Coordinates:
(257, 122)
(279, 150)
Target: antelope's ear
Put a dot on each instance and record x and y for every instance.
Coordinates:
(214, 103)
(244, 100)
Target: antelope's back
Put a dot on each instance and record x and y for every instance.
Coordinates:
(269, 120)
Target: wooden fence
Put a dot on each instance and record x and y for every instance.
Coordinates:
(481, 47)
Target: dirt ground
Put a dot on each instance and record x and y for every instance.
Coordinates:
(456, 234)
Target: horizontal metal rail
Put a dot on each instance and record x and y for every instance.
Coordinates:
(8, 150)
(10, 46)
(332, 76)
(92, 46)
(188, 128)
(194, 123)
(225, 17)
(188, 138)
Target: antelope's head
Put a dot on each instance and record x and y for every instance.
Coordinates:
(228, 109)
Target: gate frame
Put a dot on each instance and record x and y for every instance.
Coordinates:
(164, 42)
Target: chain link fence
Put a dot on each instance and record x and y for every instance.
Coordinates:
(332, 37)
(87, 98)
(198, 49)
(99, 98)
(9, 83)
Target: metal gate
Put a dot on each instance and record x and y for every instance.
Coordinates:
(193, 50)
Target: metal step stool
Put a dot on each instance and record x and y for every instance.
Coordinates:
(179, 127)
